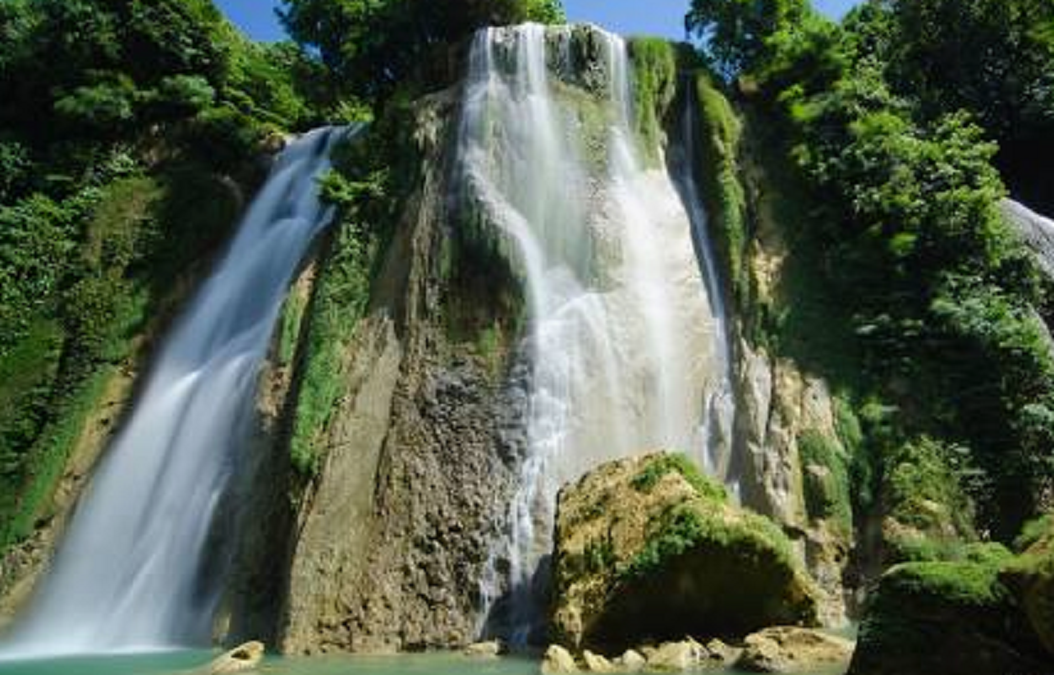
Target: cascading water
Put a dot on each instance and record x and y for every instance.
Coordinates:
(628, 351)
(720, 402)
(129, 574)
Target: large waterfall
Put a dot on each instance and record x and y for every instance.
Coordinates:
(129, 574)
(627, 346)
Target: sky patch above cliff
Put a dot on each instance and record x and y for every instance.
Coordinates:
(631, 17)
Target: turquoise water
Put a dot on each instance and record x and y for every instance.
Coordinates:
(179, 663)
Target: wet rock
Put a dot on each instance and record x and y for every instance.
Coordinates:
(676, 656)
(632, 661)
(649, 548)
(722, 654)
(558, 660)
(1031, 578)
(792, 649)
(595, 663)
(238, 660)
(489, 648)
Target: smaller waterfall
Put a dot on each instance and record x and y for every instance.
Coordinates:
(132, 572)
(721, 400)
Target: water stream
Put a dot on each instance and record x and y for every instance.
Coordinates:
(628, 347)
(135, 571)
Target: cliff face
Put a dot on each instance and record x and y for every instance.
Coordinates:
(388, 541)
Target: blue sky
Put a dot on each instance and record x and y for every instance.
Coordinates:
(654, 17)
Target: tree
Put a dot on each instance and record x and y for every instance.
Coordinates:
(736, 32)
(373, 45)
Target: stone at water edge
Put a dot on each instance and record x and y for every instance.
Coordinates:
(595, 663)
(632, 660)
(489, 648)
(238, 660)
(558, 661)
(789, 649)
(676, 656)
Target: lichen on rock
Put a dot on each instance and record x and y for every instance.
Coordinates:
(650, 549)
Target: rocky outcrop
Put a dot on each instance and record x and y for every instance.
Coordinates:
(955, 618)
(392, 535)
(1037, 232)
(788, 649)
(649, 549)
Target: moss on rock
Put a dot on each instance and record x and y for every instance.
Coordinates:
(952, 617)
(649, 548)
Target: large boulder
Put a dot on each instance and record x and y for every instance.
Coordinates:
(949, 617)
(1031, 578)
(649, 549)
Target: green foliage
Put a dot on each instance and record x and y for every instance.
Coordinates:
(720, 132)
(736, 31)
(340, 301)
(679, 463)
(370, 47)
(654, 63)
(27, 494)
(900, 221)
(924, 486)
(364, 188)
(825, 475)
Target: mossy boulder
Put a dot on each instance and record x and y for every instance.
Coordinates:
(950, 617)
(1031, 577)
(649, 549)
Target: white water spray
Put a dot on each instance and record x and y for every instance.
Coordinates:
(628, 354)
(129, 575)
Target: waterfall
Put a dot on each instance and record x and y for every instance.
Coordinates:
(134, 572)
(628, 348)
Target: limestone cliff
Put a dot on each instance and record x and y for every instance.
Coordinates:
(386, 541)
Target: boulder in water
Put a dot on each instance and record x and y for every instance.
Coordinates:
(676, 656)
(238, 660)
(558, 661)
(650, 549)
(790, 649)
(489, 648)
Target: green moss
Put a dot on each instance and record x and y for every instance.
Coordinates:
(924, 490)
(289, 332)
(723, 192)
(688, 526)
(654, 68)
(1034, 532)
(340, 300)
(50, 454)
(655, 469)
(825, 475)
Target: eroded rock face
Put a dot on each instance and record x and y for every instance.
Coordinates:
(789, 649)
(392, 536)
(778, 406)
(648, 549)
